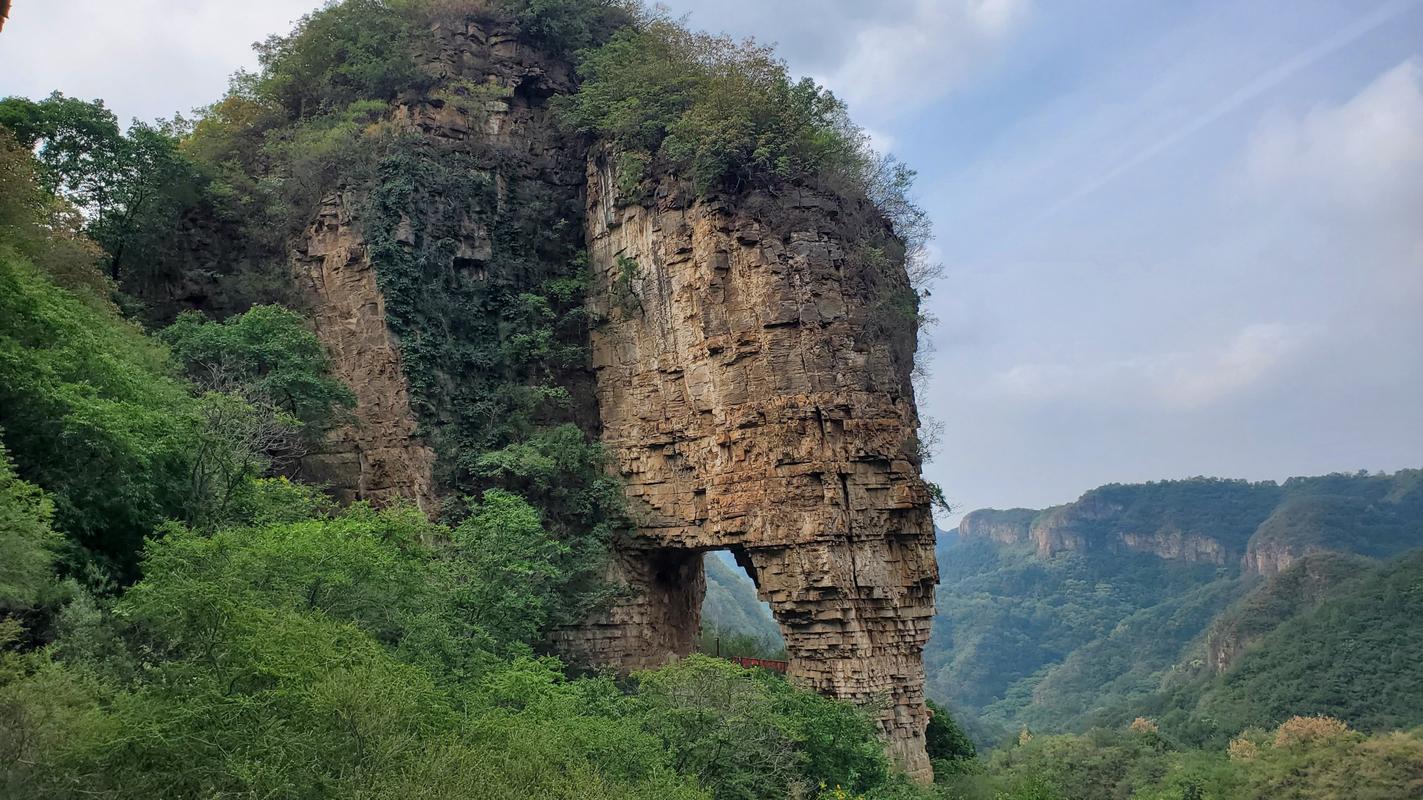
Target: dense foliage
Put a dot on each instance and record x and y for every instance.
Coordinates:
(729, 116)
(1308, 758)
(1349, 652)
(90, 408)
(267, 355)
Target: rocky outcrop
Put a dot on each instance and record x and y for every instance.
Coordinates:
(1294, 590)
(754, 392)
(1272, 556)
(752, 363)
(380, 455)
(1096, 524)
(497, 119)
(1004, 527)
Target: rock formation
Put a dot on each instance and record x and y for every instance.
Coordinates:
(1008, 526)
(752, 385)
(380, 455)
(1093, 523)
(753, 403)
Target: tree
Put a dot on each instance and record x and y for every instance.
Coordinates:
(267, 356)
(27, 542)
(749, 734)
(132, 189)
(946, 742)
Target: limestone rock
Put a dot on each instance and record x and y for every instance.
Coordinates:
(379, 456)
(752, 385)
(754, 402)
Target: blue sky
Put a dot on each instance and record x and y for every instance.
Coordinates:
(1179, 238)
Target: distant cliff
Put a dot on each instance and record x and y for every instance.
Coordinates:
(1054, 618)
(1260, 527)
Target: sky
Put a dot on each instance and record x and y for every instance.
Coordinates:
(1178, 238)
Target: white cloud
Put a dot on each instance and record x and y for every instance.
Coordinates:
(1349, 178)
(1365, 153)
(911, 59)
(1180, 380)
(1253, 356)
(145, 58)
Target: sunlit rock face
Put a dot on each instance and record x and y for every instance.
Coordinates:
(754, 387)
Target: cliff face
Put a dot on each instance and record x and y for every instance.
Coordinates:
(1004, 527)
(379, 456)
(753, 403)
(499, 133)
(1294, 590)
(752, 379)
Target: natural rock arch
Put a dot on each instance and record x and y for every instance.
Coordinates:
(754, 399)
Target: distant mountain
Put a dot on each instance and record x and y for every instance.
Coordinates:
(732, 612)
(1057, 618)
(1333, 634)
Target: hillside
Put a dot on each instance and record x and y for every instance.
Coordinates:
(1059, 618)
(1331, 635)
(733, 614)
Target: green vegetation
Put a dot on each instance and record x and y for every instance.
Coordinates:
(282, 649)
(734, 620)
(1008, 621)
(267, 356)
(1348, 652)
(1309, 758)
(178, 620)
(90, 408)
(1096, 635)
(728, 116)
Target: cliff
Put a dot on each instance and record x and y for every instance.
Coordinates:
(1004, 527)
(1055, 618)
(752, 403)
(1294, 590)
(744, 358)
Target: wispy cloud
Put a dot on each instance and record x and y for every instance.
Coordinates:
(1243, 94)
(903, 61)
(1177, 380)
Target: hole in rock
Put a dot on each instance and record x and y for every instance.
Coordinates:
(735, 622)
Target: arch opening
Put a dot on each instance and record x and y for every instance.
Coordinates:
(736, 622)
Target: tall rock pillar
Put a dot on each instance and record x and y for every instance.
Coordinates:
(753, 375)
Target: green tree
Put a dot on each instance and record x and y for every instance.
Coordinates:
(946, 743)
(133, 188)
(748, 734)
(28, 544)
(267, 356)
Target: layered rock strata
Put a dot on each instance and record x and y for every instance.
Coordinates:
(379, 456)
(754, 385)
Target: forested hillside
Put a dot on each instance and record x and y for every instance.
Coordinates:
(1081, 614)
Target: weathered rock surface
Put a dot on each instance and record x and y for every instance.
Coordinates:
(1010, 526)
(756, 399)
(1091, 524)
(379, 456)
(752, 386)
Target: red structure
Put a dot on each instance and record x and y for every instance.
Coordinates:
(763, 663)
